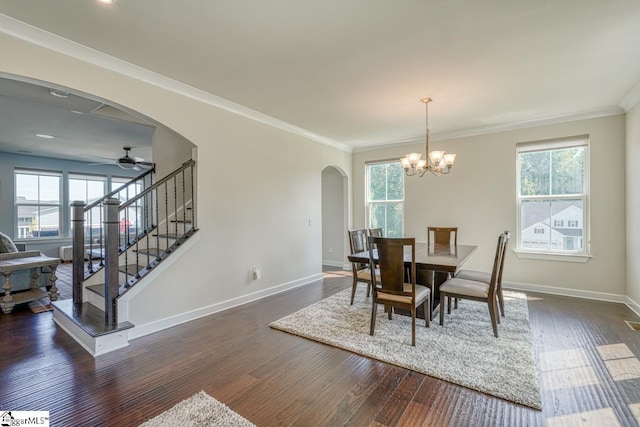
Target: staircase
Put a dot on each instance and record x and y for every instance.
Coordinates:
(117, 241)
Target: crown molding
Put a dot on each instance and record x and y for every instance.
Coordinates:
(484, 130)
(40, 37)
(632, 98)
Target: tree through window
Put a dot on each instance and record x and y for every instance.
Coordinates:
(385, 197)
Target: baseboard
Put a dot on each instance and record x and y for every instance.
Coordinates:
(634, 306)
(576, 293)
(159, 325)
(332, 263)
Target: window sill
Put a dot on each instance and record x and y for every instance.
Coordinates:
(552, 256)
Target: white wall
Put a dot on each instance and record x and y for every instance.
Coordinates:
(250, 214)
(479, 198)
(633, 203)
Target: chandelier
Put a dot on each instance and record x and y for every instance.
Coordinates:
(436, 162)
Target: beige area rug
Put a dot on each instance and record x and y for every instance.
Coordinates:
(199, 410)
(463, 351)
(40, 305)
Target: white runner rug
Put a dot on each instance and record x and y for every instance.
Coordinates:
(199, 410)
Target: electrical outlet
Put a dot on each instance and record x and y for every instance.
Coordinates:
(256, 273)
(310, 222)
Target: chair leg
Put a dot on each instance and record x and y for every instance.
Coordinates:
(369, 285)
(448, 305)
(494, 317)
(455, 303)
(426, 306)
(442, 297)
(353, 288)
(390, 312)
(374, 310)
(496, 308)
(413, 326)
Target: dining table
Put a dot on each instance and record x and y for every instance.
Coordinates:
(434, 262)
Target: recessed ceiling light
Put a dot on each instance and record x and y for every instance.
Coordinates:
(44, 135)
(106, 1)
(59, 93)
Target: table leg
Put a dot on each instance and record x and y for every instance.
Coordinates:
(7, 302)
(53, 291)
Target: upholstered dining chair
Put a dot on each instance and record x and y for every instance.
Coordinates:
(361, 272)
(442, 235)
(485, 277)
(375, 232)
(477, 291)
(390, 288)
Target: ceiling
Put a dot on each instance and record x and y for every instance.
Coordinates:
(81, 129)
(354, 71)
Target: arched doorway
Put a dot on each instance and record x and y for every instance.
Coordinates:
(334, 217)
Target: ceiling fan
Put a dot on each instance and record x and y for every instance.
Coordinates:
(127, 162)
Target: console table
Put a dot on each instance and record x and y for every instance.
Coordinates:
(33, 261)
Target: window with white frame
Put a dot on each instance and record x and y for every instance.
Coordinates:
(385, 197)
(88, 188)
(553, 191)
(37, 203)
(132, 219)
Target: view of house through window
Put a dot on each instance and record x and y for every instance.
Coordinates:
(385, 197)
(37, 201)
(552, 196)
(88, 189)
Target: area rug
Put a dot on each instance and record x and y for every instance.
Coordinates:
(463, 351)
(199, 410)
(40, 305)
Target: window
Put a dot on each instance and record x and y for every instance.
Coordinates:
(88, 189)
(132, 219)
(552, 192)
(385, 197)
(37, 201)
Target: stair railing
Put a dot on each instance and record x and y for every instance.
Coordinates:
(127, 233)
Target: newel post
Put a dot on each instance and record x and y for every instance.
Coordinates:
(78, 250)
(111, 273)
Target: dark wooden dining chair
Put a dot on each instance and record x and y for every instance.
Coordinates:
(361, 271)
(485, 277)
(477, 291)
(375, 232)
(390, 288)
(442, 236)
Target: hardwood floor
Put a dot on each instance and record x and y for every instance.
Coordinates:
(587, 360)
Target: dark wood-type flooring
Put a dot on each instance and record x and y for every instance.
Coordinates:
(587, 360)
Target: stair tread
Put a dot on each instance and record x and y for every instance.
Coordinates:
(131, 269)
(98, 289)
(169, 235)
(149, 251)
(88, 317)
